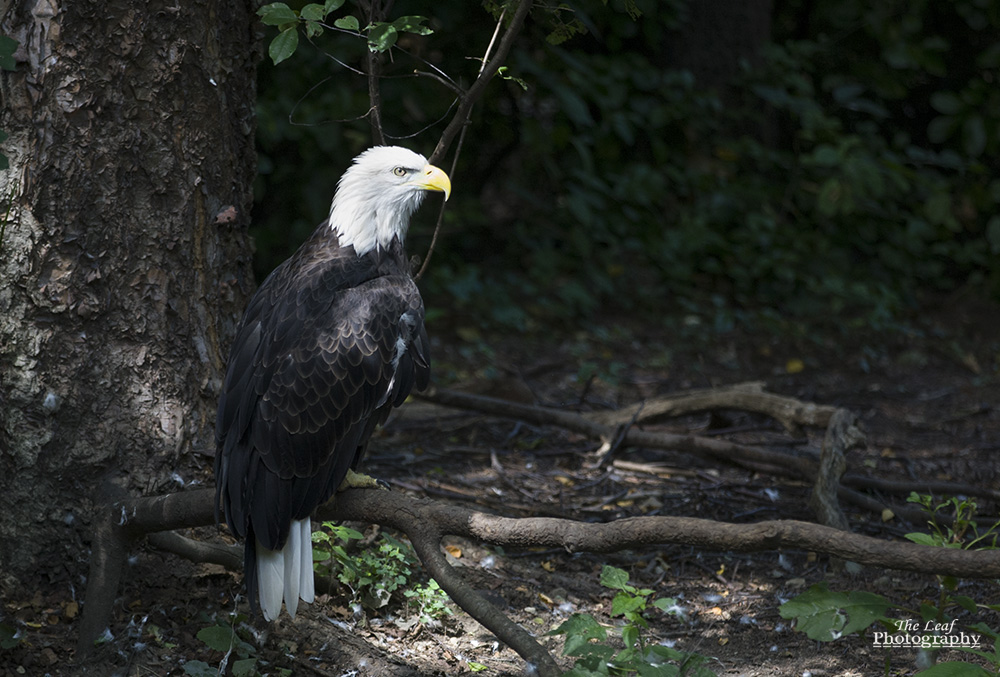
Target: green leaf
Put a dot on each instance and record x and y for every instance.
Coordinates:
(966, 603)
(825, 615)
(217, 637)
(7, 48)
(921, 538)
(284, 45)
(953, 669)
(614, 578)
(412, 24)
(624, 603)
(199, 669)
(8, 639)
(946, 103)
(382, 37)
(313, 12)
(333, 5)
(826, 155)
(940, 128)
(245, 667)
(630, 635)
(277, 14)
(665, 603)
(937, 209)
(830, 197)
(347, 23)
(584, 627)
(974, 135)
(313, 29)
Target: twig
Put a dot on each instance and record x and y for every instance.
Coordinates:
(487, 70)
(377, 11)
(486, 74)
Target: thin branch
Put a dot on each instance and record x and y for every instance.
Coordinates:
(479, 86)
(377, 11)
(487, 69)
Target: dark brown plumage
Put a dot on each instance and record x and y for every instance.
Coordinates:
(333, 339)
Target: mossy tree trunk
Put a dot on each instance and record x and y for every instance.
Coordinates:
(124, 261)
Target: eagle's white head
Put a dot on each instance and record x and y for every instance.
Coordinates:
(378, 193)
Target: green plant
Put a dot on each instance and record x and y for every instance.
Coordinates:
(376, 572)
(380, 35)
(429, 601)
(224, 637)
(586, 638)
(827, 615)
(9, 636)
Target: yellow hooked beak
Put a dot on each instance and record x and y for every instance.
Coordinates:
(433, 178)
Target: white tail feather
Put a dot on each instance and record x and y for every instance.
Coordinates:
(286, 573)
(292, 553)
(307, 591)
(270, 580)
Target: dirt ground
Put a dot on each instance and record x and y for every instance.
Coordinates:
(928, 407)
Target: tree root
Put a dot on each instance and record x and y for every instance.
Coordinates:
(118, 527)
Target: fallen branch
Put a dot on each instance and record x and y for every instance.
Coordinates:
(790, 412)
(118, 526)
(754, 458)
(730, 452)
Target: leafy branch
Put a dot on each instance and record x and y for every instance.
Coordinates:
(380, 35)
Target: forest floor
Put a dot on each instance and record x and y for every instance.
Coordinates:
(929, 409)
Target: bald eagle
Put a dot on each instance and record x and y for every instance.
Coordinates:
(333, 339)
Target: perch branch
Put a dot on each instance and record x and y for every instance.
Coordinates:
(118, 526)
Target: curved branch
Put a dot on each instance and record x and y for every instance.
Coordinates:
(120, 524)
(394, 509)
(751, 396)
(425, 535)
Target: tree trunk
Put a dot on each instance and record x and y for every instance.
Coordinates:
(124, 261)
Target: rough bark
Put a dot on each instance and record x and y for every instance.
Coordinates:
(125, 260)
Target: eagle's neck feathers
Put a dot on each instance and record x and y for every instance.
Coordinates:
(367, 215)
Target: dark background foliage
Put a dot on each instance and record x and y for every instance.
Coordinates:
(840, 174)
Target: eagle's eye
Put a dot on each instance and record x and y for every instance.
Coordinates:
(399, 171)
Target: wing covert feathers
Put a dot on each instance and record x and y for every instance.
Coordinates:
(327, 346)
